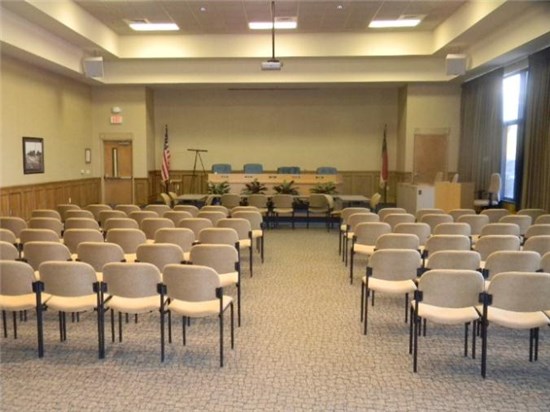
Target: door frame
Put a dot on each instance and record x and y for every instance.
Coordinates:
(113, 137)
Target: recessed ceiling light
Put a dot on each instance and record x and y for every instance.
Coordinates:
(203, 9)
(382, 24)
(283, 23)
(147, 26)
(339, 7)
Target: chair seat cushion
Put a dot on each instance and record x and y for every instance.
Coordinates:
(363, 249)
(19, 302)
(446, 316)
(198, 309)
(390, 286)
(134, 305)
(244, 243)
(517, 320)
(72, 304)
(256, 233)
(130, 257)
(229, 279)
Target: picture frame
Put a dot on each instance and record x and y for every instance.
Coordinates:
(33, 155)
(88, 155)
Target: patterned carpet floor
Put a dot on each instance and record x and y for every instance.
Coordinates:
(300, 347)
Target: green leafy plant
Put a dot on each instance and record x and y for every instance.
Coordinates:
(218, 188)
(328, 188)
(254, 187)
(286, 188)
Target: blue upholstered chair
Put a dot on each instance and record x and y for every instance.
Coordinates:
(253, 168)
(221, 168)
(289, 170)
(326, 170)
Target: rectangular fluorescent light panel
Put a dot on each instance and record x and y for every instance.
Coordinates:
(384, 24)
(283, 24)
(145, 26)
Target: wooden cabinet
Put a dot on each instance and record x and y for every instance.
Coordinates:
(450, 196)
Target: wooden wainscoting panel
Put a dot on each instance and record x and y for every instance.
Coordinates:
(141, 191)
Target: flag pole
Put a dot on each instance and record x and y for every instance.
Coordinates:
(384, 174)
(165, 168)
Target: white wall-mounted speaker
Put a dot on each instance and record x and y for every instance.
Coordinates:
(93, 66)
(456, 64)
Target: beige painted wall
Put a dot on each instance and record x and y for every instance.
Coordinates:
(132, 102)
(37, 103)
(307, 128)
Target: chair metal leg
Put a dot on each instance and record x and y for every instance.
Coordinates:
(352, 253)
(410, 330)
(366, 309)
(221, 334)
(183, 329)
(474, 327)
(362, 299)
(120, 326)
(531, 341)
(415, 338)
(14, 325)
(112, 326)
(239, 304)
(536, 344)
(232, 327)
(466, 326)
(4, 324)
(406, 306)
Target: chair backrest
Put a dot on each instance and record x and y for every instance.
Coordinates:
(374, 201)
(98, 254)
(520, 291)
(318, 201)
(120, 223)
(37, 252)
(367, 233)
(326, 170)
(127, 208)
(523, 221)
(543, 219)
(421, 230)
(495, 185)
(289, 170)
(159, 209)
(537, 229)
(348, 211)
(545, 262)
(142, 214)
(54, 214)
(434, 219)
(95, 208)
(196, 224)
(46, 235)
(7, 235)
(73, 237)
(447, 242)
(176, 215)
(81, 223)
(512, 261)
(539, 243)
(219, 235)
(194, 210)
(215, 208)
(456, 213)
(388, 210)
(495, 214)
(476, 222)
(356, 218)
(259, 200)
(455, 259)
(150, 225)
(68, 279)
(241, 226)
(180, 236)
(254, 217)
(453, 228)
(500, 229)
(159, 254)
(451, 288)
(46, 223)
(397, 241)
(191, 283)
(213, 216)
(132, 280)
(79, 213)
(8, 251)
(222, 258)
(244, 209)
(16, 278)
(15, 224)
(455, 178)
(104, 215)
(534, 213)
(282, 201)
(166, 198)
(428, 211)
(64, 207)
(253, 168)
(222, 168)
(230, 200)
(394, 219)
(492, 243)
(395, 264)
(127, 239)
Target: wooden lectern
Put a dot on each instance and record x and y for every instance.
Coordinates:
(450, 196)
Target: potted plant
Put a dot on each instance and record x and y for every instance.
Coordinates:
(328, 188)
(286, 188)
(254, 187)
(218, 188)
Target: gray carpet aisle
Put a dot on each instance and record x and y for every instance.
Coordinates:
(300, 347)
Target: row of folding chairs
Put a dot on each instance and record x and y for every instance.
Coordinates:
(189, 291)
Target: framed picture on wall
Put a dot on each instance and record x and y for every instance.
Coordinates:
(33, 155)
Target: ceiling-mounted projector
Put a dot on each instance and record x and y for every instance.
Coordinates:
(272, 64)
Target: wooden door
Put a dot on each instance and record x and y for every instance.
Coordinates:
(118, 171)
(430, 157)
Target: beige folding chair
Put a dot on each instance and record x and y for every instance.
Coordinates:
(435, 219)
(283, 205)
(456, 213)
(492, 243)
(213, 215)
(98, 254)
(445, 242)
(196, 224)
(8, 236)
(132, 288)
(393, 219)
(344, 216)
(260, 201)
(138, 216)
(219, 236)
(127, 208)
(244, 231)
(224, 260)
(319, 204)
(95, 208)
(534, 213)
(37, 252)
(119, 223)
(447, 297)
(391, 271)
(16, 290)
(516, 300)
(539, 243)
(81, 223)
(364, 241)
(428, 211)
(63, 208)
(476, 223)
(215, 208)
(150, 225)
(194, 292)
(382, 213)
(177, 215)
(491, 197)
(352, 221)
(180, 236)
(545, 266)
(194, 210)
(40, 235)
(105, 215)
(453, 228)
(495, 215)
(397, 241)
(79, 213)
(46, 223)
(537, 229)
(51, 213)
(421, 230)
(523, 221)
(159, 209)
(128, 240)
(159, 254)
(500, 229)
(73, 237)
(510, 261)
(542, 219)
(230, 200)
(69, 287)
(13, 224)
(257, 224)
(455, 259)
(8, 251)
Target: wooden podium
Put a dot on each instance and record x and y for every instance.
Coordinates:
(450, 196)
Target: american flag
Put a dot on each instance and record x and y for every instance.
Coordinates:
(165, 169)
